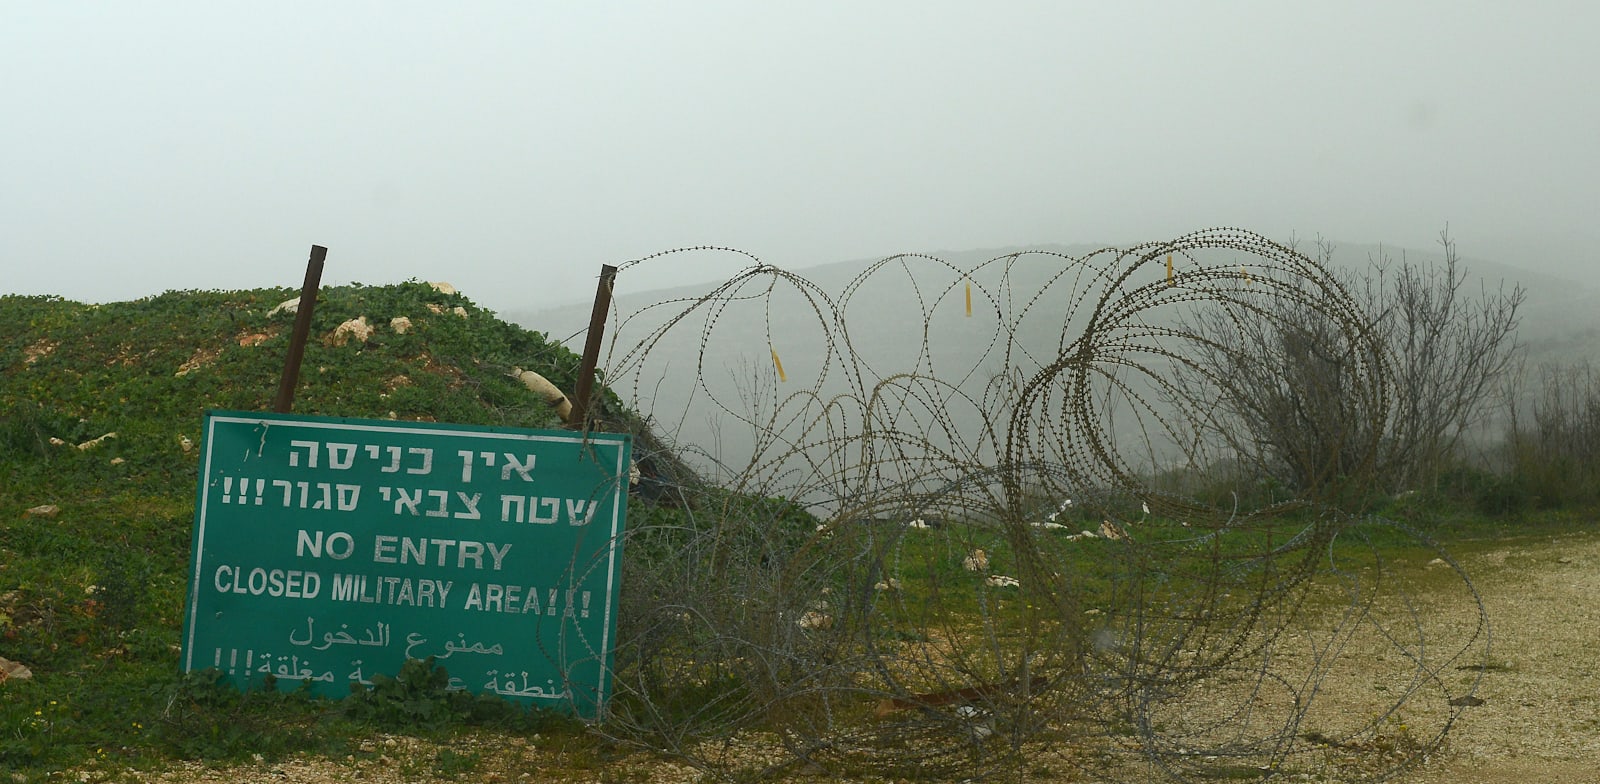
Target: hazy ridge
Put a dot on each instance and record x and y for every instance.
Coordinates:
(901, 326)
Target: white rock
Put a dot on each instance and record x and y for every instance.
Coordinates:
(43, 510)
(976, 561)
(185, 444)
(816, 620)
(96, 442)
(13, 671)
(1002, 581)
(443, 287)
(542, 387)
(290, 306)
(459, 311)
(400, 324)
(357, 329)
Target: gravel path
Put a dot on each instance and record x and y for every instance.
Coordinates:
(1540, 720)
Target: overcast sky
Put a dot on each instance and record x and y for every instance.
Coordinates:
(512, 148)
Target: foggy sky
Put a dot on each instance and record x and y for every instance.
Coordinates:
(512, 148)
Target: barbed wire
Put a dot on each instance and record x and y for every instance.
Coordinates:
(951, 522)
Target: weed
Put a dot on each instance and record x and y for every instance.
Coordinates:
(454, 764)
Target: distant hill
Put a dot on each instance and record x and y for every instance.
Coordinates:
(729, 348)
(1550, 295)
(1560, 320)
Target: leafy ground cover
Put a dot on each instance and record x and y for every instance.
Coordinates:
(100, 415)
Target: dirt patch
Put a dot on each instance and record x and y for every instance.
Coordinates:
(248, 339)
(202, 357)
(39, 350)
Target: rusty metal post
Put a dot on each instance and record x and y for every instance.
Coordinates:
(591, 348)
(302, 328)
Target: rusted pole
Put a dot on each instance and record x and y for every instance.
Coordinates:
(591, 347)
(302, 328)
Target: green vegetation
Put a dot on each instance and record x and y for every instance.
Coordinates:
(92, 590)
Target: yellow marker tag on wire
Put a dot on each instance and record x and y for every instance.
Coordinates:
(1246, 274)
(777, 363)
(969, 299)
(1169, 269)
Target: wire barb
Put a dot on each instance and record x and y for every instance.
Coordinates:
(803, 589)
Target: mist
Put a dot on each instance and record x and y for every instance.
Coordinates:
(513, 148)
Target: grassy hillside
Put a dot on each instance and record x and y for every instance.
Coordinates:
(95, 537)
(147, 369)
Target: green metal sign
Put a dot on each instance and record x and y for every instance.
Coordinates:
(329, 550)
